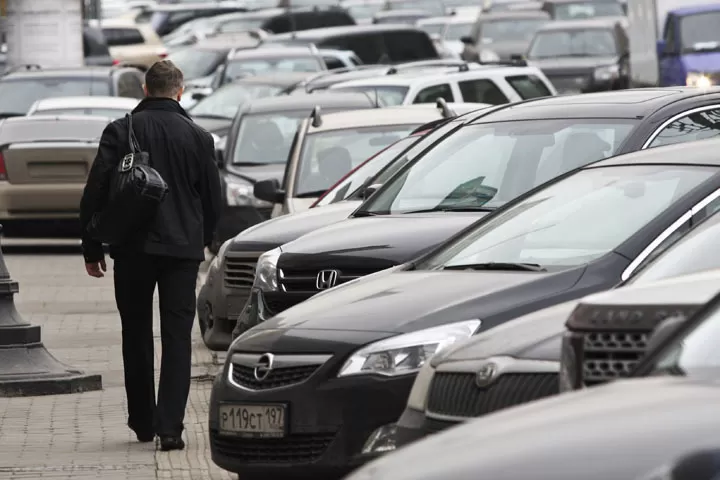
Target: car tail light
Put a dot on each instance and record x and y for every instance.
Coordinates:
(162, 54)
(116, 62)
(3, 170)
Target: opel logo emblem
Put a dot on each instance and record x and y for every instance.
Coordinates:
(486, 375)
(264, 366)
(326, 279)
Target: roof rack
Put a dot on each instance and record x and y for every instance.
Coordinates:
(307, 82)
(462, 66)
(316, 117)
(25, 66)
(447, 112)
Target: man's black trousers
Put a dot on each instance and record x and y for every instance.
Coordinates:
(136, 275)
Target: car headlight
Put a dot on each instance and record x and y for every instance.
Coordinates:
(239, 193)
(697, 79)
(418, 395)
(266, 271)
(606, 73)
(488, 56)
(406, 353)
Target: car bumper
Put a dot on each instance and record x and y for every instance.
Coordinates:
(414, 425)
(329, 421)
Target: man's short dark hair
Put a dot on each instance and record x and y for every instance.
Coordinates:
(164, 79)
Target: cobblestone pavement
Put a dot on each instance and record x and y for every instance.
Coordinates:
(84, 435)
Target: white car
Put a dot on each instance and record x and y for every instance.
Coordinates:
(492, 84)
(111, 107)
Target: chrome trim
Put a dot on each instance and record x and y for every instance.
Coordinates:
(654, 244)
(705, 202)
(250, 360)
(676, 117)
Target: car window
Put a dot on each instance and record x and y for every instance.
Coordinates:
(225, 101)
(18, 95)
(431, 94)
(695, 126)
(368, 46)
(482, 91)
(698, 32)
(361, 11)
(129, 85)
(266, 138)
(241, 68)
(557, 226)
(490, 164)
(328, 156)
(196, 62)
(529, 86)
(365, 171)
(581, 10)
(596, 42)
(100, 112)
(383, 95)
(515, 30)
(123, 36)
(333, 62)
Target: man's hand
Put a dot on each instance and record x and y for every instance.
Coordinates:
(96, 269)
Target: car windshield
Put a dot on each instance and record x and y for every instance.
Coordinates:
(692, 253)
(196, 62)
(99, 112)
(18, 95)
(257, 66)
(487, 165)
(699, 32)
(328, 156)
(597, 42)
(515, 30)
(558, 227)
(581, 10)
(365, 171)
(455, 31)
(225, 101)
(266, 138)
(383, 95)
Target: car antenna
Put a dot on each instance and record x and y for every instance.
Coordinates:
(316, 118)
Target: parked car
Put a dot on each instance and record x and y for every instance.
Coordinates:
(44, 161)
(408, 17)
(433, 7)
(582, 55)
(582, 9)
(166, 18)
(112, 107)
(133, 44)
(258, 144)
(507, 34)
(512, 6)
(95, 48)
(371, 43)
(543, 248)
(519, 356)
(447, 31)
(494, 85)
(22, 87)
(363, 10)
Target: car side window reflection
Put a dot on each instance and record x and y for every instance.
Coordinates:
(695, 126)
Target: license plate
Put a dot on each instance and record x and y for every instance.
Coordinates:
(253, 420)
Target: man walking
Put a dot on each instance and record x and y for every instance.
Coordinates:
(167, 253)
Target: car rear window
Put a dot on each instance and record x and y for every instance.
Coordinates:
(116, 37)
(18, 95)
(528, 86)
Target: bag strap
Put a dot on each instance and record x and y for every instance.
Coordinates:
(132, 139)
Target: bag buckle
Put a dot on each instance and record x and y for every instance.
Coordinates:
(127, 162)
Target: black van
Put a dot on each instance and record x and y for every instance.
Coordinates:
(308, 18)
(372, 43)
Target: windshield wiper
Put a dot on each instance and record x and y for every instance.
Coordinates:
(209, 115)
(453, 209)
(314, 194)
(366, 213)
(523, 267)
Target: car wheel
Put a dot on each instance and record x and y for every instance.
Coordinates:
(205, 319)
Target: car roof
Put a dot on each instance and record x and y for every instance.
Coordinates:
(264, 13)
(87, 101)
(280, 79)
(283, 52)
(627, 104)
(416, 115)
(601, 22)
(697, 8)
(447, 19)
(409, 12)
(513, 14)
(80, 72)
(298, 102)
(700, 152)
(318, 33)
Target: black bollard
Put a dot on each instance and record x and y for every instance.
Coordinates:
(26, 367)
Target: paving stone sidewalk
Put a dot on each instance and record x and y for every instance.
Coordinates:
(84, 435)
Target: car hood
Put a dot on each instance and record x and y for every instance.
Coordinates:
(571, 66)
(257, 173)
(217, 126)
(397, 238)
(286, 228)
(399, 301)
(585, 434)
(535, 336)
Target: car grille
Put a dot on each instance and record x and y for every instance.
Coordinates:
(457, 395)
(611, 355)
(239, 269)
(295, 448)
(278, 377)
(303, 281)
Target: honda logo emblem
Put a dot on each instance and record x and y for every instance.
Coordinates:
(264, 366)
(326, 279)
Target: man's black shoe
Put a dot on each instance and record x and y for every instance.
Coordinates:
(171, 443)
(145, 437)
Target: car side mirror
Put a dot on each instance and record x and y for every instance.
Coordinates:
(269, 190)
(197, 96)
(369, 190)
(665, 330)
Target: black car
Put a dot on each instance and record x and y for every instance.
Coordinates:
(23, 86)
(523, 354)
(166, 18)
(507, 33)
(257, 147)
(215, 112)
(582, 55)
(340, 365)
(582, 9)
(449, 187)
(372, 43)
